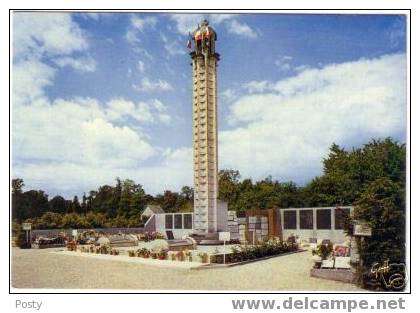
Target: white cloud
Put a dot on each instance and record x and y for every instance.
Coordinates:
(141, 66)
(38, 34)
(301, 68)
(173, 46)
(91, 15)
(142, 23)
(283, 63)
(148, 112)
(219, 18)
(397, 32)
(298, 118)
(242, 29)
(186, 23)
(76, 131)
(79, 144)
(229, 94)
(257, 86)
(76, 144)
(82, 64)
(147, 85)
(139, 25)
(173, 172)
(29, 80)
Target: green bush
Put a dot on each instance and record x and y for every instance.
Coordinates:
(269, 248)
(382, 206)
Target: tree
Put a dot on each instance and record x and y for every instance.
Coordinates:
(116, 198)
(17, 185)
(102, 200)
(348, 173)
(187, 193)
(168, 201)
(57, 205)
(382, 207)
(84, 204)
(229, 186)
(75, 205)
(132, 200)
(17, 197)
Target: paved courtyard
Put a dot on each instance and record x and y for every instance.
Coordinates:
(43, 269)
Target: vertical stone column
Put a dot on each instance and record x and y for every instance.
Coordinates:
(205, 142)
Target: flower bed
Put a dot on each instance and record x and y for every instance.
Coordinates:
(101, 249)
(252, 252)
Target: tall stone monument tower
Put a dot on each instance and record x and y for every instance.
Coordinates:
(208, 216)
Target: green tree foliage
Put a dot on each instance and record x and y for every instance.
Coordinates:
(382, 206)
(58, 205)
(264, 194)
(75, 206)
(348, 173)
(27, 204)
(109, 206)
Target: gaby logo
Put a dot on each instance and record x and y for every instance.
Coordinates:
(392, 276)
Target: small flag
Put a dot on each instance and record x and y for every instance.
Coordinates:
(189, 41)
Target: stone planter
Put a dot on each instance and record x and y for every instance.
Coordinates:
(345, 276)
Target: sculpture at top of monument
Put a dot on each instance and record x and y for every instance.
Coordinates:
(209, 215)
(204, 38)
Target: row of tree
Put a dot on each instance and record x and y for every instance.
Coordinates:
(346, 176)
(124, 200)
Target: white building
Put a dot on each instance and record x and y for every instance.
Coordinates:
(151, 209)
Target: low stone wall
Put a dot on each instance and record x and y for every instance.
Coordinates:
(233, 226)
(345, 276)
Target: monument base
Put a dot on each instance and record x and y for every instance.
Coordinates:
(222, 216)
(207, 238)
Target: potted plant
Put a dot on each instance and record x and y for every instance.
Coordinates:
(71, 245)
(180, 255)
(131, 253)
(204, 257)
(322, 252)
(162, 255)
(145, 253)
(173, 256)
(188, 254)
(154, 255)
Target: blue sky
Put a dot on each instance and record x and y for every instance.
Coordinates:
(96, 96)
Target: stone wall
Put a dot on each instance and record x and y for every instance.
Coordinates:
(233, 226)
(248, 229)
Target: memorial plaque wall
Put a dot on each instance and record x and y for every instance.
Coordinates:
(341, 216)
(323, 219)
(289, 219)
(178, 221)
(169, 224)
(187, 221)
(306, 219)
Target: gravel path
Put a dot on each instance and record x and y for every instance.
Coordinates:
(42, 269)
